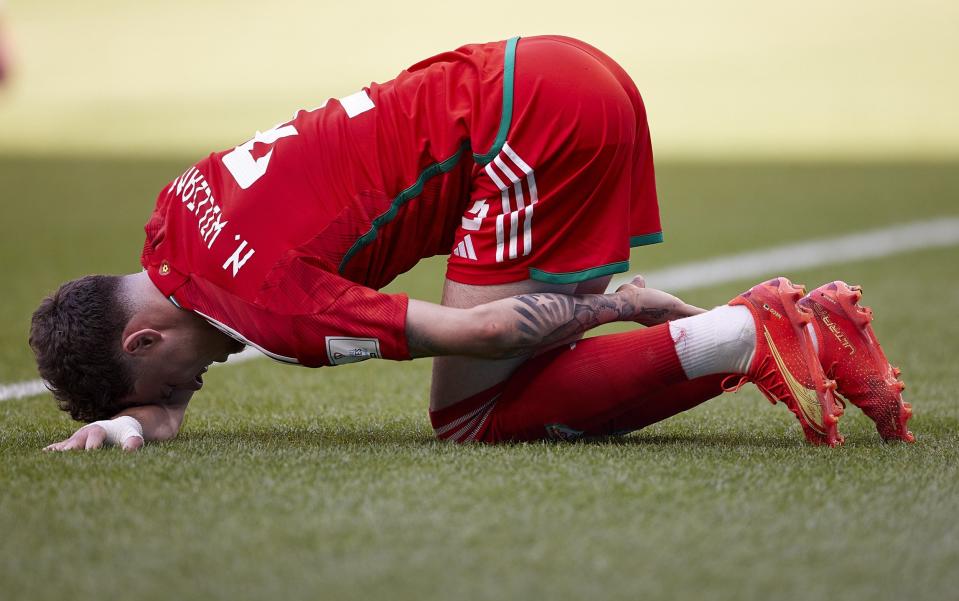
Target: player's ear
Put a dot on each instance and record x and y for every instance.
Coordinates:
(141, 341)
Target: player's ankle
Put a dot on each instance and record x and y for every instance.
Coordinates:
(722, 340)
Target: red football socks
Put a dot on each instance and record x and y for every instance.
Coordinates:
(599, 386)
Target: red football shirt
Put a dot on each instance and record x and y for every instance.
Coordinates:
(282, 241)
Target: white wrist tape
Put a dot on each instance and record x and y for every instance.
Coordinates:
(120, 429)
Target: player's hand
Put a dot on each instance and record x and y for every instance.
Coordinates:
(92, 436)
(655, 306)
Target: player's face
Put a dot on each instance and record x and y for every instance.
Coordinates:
(166, 379)
(174, 371)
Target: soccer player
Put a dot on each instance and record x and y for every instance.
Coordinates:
(529, 163)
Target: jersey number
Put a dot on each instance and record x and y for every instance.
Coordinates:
(240, 162)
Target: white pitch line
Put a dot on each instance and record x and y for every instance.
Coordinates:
(743, 266)
(755, 265)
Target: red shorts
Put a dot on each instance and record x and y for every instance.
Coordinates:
(573, 187)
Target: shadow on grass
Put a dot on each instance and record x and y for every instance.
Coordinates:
(406, 436)
(411, 437)
(703, 439)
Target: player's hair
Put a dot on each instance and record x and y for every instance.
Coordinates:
(76, 337)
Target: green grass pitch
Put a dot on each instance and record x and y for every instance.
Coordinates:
(327, 484)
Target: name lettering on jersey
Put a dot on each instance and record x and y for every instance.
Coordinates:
(238, 259)
(196, 196)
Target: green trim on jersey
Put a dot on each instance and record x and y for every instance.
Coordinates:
(582, 275)
(401, 199)
(645, 239)
(509, 64)
(444, 166)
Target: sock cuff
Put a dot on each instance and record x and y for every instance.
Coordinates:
(695, 346)
(719, 341)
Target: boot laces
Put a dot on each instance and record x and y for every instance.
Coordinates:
(766, 379)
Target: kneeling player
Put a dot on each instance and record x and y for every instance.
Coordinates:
(529, 163)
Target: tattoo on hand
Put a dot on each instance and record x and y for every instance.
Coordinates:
(652, 313)
(529, 322)
(545, 319)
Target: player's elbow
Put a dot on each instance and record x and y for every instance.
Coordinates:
(493, 337)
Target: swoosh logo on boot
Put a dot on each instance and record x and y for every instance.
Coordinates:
(806, 398)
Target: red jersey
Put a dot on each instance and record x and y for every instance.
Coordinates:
(280, 241)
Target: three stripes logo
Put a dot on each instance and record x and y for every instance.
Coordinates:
(465, 248)
(518, 195)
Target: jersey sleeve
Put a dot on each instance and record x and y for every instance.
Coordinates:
(335, 321)
(309, 316)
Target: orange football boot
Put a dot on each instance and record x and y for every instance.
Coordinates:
(850, 352)
(785, 366)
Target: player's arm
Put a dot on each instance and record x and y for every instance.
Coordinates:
(522, 324)
(153, 423)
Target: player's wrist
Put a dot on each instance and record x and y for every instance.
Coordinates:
(628, 296)
(120, 429)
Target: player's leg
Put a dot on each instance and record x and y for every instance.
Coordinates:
(605, 385)
(595, 387)
(561, 383)
(650, 407)
(654, 407)
(458, 378)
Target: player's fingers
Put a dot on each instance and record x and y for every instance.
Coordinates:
(62, 445)
(77, 441)
(638, 288)
(687, 310)
(132, 444)
(678, 311)
(95, 438)
(638, 281)
(66, 444)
